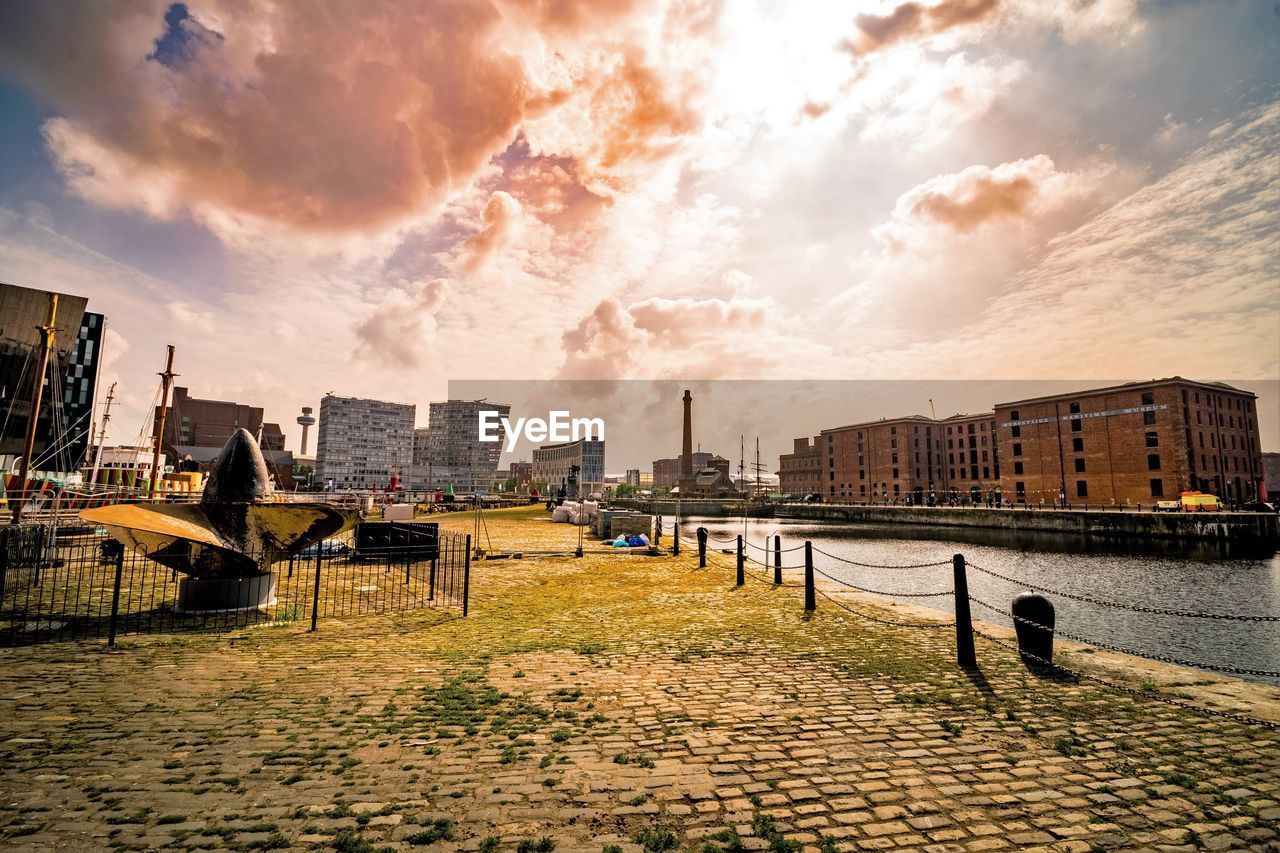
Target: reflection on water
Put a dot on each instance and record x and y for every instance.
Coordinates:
(1040, 540)
(1203, 580)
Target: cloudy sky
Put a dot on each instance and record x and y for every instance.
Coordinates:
(374, 197)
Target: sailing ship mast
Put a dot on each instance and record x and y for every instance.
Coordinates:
(46, 346)
(166, 381)
(102, 436)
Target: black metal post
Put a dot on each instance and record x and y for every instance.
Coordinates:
(431, 577)
(115, 599)
(702, 547)
(466, 579)
(4, 554)
(742, 569)
(315, 592)
(965, 655)
(777, 560)
(810, 599)
(675, 538)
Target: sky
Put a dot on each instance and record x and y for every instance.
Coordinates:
(373, 198)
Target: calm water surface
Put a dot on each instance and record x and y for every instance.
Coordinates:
(1206, 582)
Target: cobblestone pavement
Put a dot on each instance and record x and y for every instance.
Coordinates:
(606, 702)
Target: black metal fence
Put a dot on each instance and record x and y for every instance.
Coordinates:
(82, 585)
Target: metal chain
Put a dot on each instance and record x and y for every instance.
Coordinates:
(1136, 608)
(767, 549)
(768, 565)
(882, 592)
(876, 566)
(1099, 644)
(750, 574)
(884, 621)
(1132, 691)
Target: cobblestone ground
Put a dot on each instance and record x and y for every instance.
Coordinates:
(600, 704)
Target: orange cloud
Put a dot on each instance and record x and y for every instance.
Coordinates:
(723, 337)
(350, 119)
(981, 199)
(500, 218)
(641, 119)
(956, 240)
(914, 21)
(980, 195)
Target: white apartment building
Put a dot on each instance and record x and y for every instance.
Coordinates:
(449, 451)
(363, 443)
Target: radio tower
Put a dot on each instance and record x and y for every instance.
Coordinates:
(306, 419)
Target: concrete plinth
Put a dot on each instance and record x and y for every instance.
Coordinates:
(226, 595)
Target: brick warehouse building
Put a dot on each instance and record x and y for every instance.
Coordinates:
(973, 465)
(882, 460)
(800, 471)
(1132, 443)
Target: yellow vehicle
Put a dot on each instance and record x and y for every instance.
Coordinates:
(1200, 502)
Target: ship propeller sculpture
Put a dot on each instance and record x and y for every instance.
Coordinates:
(227, 543)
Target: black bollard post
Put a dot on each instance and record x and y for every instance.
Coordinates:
(777, 560)
(810, 599)
(965, 655)
(1035, 634)
(742, 569)
(315, 590)
(702, 547)
(675, 538)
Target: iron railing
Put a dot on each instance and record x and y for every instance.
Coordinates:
(83, 585)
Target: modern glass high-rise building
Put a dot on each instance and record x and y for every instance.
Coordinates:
(65, 421)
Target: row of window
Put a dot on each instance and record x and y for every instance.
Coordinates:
(1082, 488)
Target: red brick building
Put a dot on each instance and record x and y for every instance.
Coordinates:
(972, 467)
(1132, 443)
(667, 471)
(800, 471)
(193, 422)
(884, 460)
(522, 473)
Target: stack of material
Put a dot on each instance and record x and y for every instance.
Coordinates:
(612, 522)
(572, 512)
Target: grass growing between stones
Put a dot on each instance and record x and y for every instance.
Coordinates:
(597, 703)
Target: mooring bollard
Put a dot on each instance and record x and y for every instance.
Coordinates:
(742, 563)
(777, 560)
(702, 547)
(1034, 640)
(965, 655)
(675, 538)
(810, 598)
